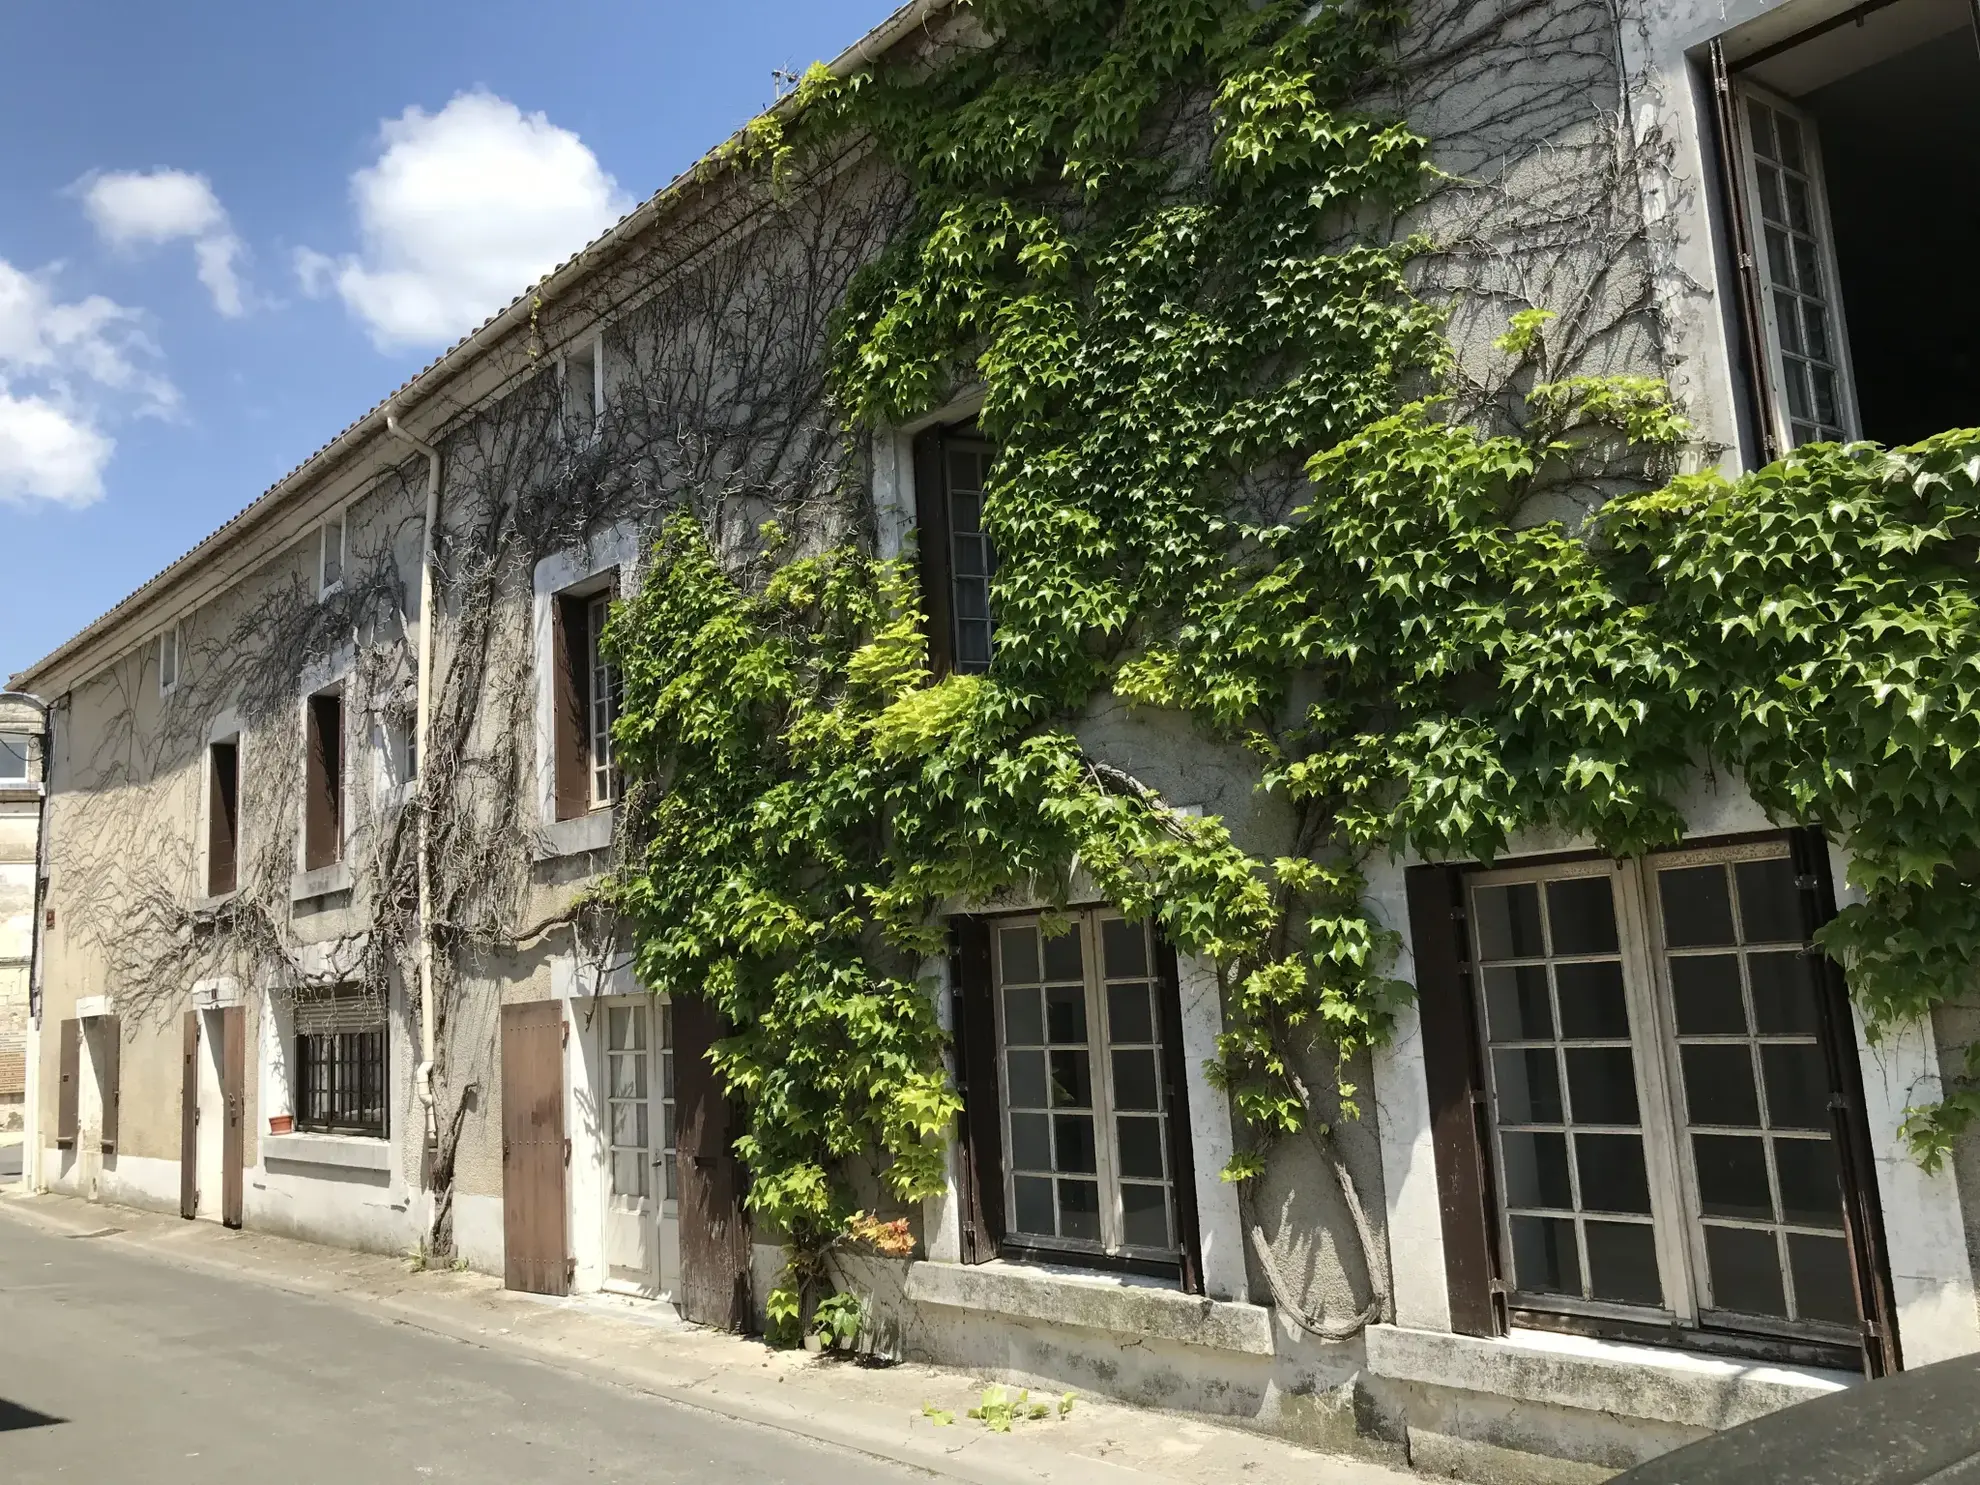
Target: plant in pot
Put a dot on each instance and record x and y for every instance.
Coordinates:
(281, 1123)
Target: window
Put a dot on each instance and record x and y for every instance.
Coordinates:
(1086, 1106)
(584, 391)
(629, 1057)
(223, 818)
(330, 557)
(1659, 1093)
(958, 561)
(340, 1065)
(587, 703)
(323, 780)
(1843, 143)
(168, 661)
(14, 755)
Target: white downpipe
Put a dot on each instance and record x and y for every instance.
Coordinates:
(428, 1012)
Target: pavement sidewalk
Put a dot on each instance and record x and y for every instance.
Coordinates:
(878, 1411)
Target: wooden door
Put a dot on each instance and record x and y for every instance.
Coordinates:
(714, 1228)
(534, 1150)
(233, 1098)
(68, 1106)
(189, 1121)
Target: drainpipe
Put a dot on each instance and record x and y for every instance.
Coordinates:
(31, 1135)
(423, 864)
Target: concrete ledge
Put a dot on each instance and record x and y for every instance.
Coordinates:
(350, 1151)
(1094, 1302)
(1489, 1464)
(1650, 1382)
(336, 877)
(573, 837)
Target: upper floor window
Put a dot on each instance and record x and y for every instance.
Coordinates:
(223, 817)
(1836, 202)
(957, 558)
(587, 696)
(14, 755)
(168, 661)
(323, 779)
(330, 557)
(583, 389)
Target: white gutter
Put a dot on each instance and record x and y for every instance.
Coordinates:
(423, 864)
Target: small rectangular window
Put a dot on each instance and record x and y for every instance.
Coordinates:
(972, 559)
(604, 692)
(223, 821)
(584, 390)
(331, 557)
(323, 783)
(586, 703)
(339, 1076)
(168, 661)
(14, 755)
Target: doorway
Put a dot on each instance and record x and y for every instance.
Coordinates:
(640, 1233)
(213, 1110)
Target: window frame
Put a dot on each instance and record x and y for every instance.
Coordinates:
(937, 541)
(305, 1122)
(327, 585)
(217, 827)
(170, 642)
(581, 785)
(8, 737)
(326, 775)
(589, 353)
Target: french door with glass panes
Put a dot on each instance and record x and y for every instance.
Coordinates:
(1085, 1100)
(1659, 1093)
(641, 1255)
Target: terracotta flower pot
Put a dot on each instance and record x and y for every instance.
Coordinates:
(281, 1123)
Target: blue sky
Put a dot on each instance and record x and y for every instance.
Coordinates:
(227, 229)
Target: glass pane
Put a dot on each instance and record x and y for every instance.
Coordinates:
(1769, 902)
(1746, 1271)
(1705, 994)
(1592, 1003)
(1760, 123)
(1815, 328)
(1019, 950)
(1718, 1086)
(1072, 1087)
(1072, 1143)
(1529, 1085)
(1141, 1148)
(1516, 1004)
(1772, 208)
(1031, 1142)
(1807, 269)
(1612, 1174)
(1697, 911)
(1581, 913)
(1065, 1014)
(1783, 999)
(1125, 948)
(667, 1126)
(1545, 1260)
(1024, 1023)
(629, 1124)
(1811, 1183)
(1828, 405)
(964, 470)
(617, 1019)
(1027, 1071)
(1145, 1216)
(972, 598)
(1800, 404)
(673, 1186)
(1732, 1177)
(667, 1026)
(1822, 1286)
(973, 644)
(1063, 960)
(1622, 1263)
(1079, 1210)
(1799, 215)
(1601, 1085)
(1797, 1086)
(1787, 316)
(1130, 1016)
(1135, 1084)
(1780, 258)
(1790, 138)
(1509, 921)
(965, 513)
(629, 1173)
(1536, 1170)
(628, 1075)
(1034, 1206)
(972, 560)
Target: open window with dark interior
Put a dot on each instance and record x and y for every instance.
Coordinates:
(951, 465)
(586, 692)
(1850, 151)
(223, 817)
(323, 780)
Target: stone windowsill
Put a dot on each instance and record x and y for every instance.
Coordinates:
(1650, 1382)
(336, 877)
(349, 1151)
(574, 837)
(1120, 1304)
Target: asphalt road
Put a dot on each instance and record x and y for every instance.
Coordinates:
(117, 1367)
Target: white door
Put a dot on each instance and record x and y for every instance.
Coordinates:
(632, 1176)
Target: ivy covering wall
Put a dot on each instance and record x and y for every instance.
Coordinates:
(1159, 234)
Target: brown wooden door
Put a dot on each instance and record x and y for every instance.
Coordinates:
(714, 1228)
(67, 1106)
(189, 1120)
(534, 1150)
(233, 1094)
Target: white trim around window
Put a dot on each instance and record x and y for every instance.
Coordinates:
(171, 658)
(616, 547)
(332, 553)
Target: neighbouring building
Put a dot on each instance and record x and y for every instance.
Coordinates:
(324, 798)
(21, 725)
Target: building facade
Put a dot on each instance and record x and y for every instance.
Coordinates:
(325, 800)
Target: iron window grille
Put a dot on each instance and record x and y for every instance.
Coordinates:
(340, 1082)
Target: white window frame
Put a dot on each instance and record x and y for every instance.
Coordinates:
(1100, 1045)
(171, 645)
(1850, 424)
(602, 689)
(26, 739)
(589, 354)
(1676, 1210)
(559, 574)
(326, 585)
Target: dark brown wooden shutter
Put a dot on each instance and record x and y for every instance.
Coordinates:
(714, 1225)
(109, 1048)
(223, 820)
(570, 681)
(535, 1258)
(323, 834)
(931, 516)
(233, 1100)
(1182, 1154)
(1457, 1100)
(973, 1005)
(189, 1119)
(66, 1116)
(1863, 1218)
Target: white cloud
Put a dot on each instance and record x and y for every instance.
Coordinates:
(64, 367)
(462, 211)
(133, 209)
